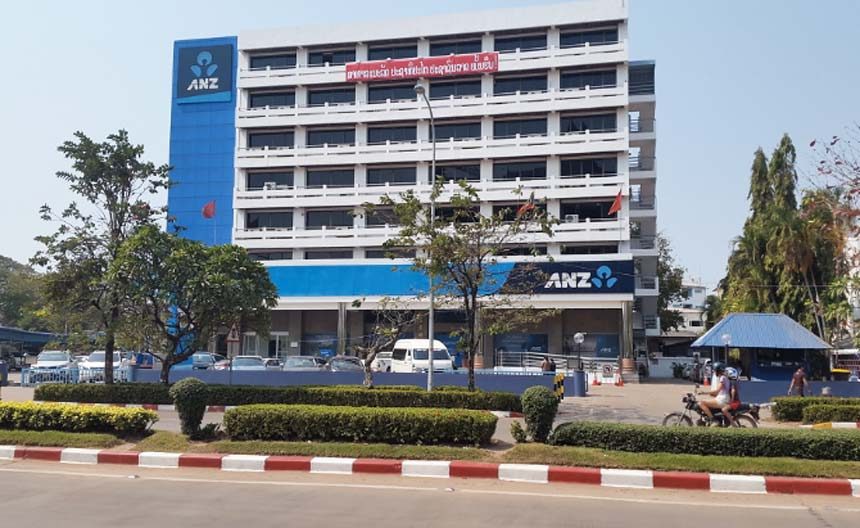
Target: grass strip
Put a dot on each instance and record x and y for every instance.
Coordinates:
(590, 457)
(342, 449)
(165, 442)
(57, 439)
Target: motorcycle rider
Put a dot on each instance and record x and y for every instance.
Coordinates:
(734, 396)
(720, 393)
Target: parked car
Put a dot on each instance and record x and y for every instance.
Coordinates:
(145, 360)
(272, 363)
(205, 360)
(92, 369)
(302, 364)
(381, 363)
(344, 364)
(410, 355)
(248, 363)
(54, 359)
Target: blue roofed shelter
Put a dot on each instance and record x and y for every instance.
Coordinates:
(772, 346)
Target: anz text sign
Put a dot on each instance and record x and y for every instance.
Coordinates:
(603, 277)
(204, 74)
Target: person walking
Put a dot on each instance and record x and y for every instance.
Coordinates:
(545, 365)
(799, 383)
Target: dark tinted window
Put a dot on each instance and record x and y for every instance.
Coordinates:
(593, 166)
(463, 46)
(258, 180)
(274, 62)
(254, 220)
(270, 255)
(331, 96)
(594, 79)
(381, 216)
(330, 178)
(511, 251)
(523, 42)
(383, 134)
(340, 136)
(444, 90)
(400, 51)
(273, 99)
(389, 253)
(318, 254)
(396, 92)
(446, 131)
(586, 209)
(588, 250)
(459, 172)
(270, 139)
(525, 170)
(519, 84)
(391, 175)
(523, 127)
(319, 58)
(595, 123)
(318, 219)
(593, 37)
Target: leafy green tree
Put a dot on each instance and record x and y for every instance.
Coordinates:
(670, 277)
(713, 310)
(182, 292)
(114, 183)
(460, 248)
(21, 296)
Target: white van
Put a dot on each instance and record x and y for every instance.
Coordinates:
(410, 355)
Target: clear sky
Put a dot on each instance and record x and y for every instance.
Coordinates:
(731, 76)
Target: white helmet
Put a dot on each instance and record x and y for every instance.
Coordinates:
(732, 373)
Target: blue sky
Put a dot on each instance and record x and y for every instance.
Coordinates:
(731, 76)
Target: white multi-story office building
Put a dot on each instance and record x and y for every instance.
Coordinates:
(269, 128)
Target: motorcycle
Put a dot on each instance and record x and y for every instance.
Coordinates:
(746, 415)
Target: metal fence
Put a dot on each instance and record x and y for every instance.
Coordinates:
(30, 377)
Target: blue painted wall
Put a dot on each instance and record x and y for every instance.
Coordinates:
(202, 148)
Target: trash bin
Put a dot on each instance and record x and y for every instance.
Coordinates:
(4, 374)
(578, 384)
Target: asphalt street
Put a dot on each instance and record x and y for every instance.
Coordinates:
(39, 494)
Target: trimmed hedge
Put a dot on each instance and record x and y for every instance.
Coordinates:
(790, 408)
(813, 414)
(540, 406)
(74, 418)
(815, 445)
(359, 424)
(349, 395)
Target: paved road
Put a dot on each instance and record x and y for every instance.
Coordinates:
(47, 494)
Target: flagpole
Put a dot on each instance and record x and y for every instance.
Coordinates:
(214, 226)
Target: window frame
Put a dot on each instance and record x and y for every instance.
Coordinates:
(269, 214)
(253, 58)
(523, 163)
(520, 37)
(394, 181)
(520, 78)
(456, 42)
(318, 91)
(374, 129)
(396, 47)
(259, 133)
(315, 144)
(333, 214)
(532, 120)
(436, 83)
(252, 95)
(319, 171)
(323, 51)
(255, 173)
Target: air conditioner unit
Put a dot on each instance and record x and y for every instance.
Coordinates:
(571, 218)
(270, 186)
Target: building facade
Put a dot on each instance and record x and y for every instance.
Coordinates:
(284, 146)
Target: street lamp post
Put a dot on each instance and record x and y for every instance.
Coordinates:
(419, 89)
(727, 340)
(579, 339)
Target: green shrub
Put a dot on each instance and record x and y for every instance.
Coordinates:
(813, 414)
(454, 388)
(519, 434)
(790, 408)
(359, 424)
(190, 396)
(539, 408)
(74, 418)
(57, 439)
(352, 395)
(816, 445)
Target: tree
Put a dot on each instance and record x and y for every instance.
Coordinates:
(460, 249)
(113, 181)
(713, 311)
(390, 320)
(182, 292)
(670, 277)
(21, 296)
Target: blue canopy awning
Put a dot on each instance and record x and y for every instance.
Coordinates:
(760, 330)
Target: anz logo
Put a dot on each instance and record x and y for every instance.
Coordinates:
(203, 71)
(602, 279)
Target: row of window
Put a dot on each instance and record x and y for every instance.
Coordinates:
(382, 253)
(503, 44)
(407, 175)
(505, 128)
(381, 93)
(344, 218)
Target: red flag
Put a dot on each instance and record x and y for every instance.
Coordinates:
(526, 207)
(616, 205)
(209, 209)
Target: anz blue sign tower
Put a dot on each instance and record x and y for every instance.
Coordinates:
(275, 148)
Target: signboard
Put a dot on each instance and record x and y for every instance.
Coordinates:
(233, 335)
(204, 74)
(573, 277)
(430, 67)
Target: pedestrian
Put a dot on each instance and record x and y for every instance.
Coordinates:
(799, 383)
(552, 365)
(545, 364)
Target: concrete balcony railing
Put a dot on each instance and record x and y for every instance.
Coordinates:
(641, 163)
(487, 104)
(644, 202)
(412, 151)
(643, 243)
(638, 126)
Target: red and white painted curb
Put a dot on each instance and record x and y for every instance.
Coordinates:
(833, 425)
(222, 408)
(533, 473)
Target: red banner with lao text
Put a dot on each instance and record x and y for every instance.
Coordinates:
(447, 66)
